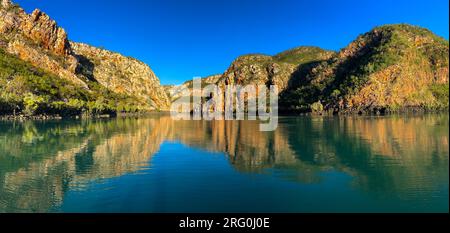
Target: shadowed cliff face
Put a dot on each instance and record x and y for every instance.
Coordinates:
(40, 162)
(123, 75)
(37, 39)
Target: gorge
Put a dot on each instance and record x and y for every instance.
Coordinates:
(392, 68)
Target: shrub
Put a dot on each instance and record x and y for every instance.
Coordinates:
(441, 93)
(317, 107)
(31, 103)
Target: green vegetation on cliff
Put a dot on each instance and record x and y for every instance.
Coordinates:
(302, 55)
(43, 73)
(390, 68)
(28, 90)
(280, 69)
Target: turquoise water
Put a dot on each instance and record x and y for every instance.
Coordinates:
(155, 164)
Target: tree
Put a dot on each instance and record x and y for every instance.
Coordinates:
(317, 107)
(31, 103)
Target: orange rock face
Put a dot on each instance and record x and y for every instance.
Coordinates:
(44, 31)
(37, 39)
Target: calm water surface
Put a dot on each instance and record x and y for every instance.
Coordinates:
(155, 164)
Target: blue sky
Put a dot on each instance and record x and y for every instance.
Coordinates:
(181, 39)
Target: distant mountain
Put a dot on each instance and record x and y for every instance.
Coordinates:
(391, 68)
(177, 91)
(41, 71)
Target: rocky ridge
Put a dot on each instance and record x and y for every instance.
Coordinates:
(391, 68)
(121, 74)
(271, 70)
(37, 39)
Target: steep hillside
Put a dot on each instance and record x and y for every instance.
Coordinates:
(115, 82)
(37, 39)
(120, 74)
(29, 91)
(391, 68)
(276, 70)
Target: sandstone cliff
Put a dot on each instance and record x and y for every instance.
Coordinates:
(121, 74)
(36, 39)
(271, 70)
(391, 68)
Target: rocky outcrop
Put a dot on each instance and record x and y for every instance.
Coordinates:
(6, 3)
(62, 68)
(177, 91)
(390, 68)
(257, 69)
(42, 30)
(10, 16)
(37, 39)
(121, 74)
(271, 70)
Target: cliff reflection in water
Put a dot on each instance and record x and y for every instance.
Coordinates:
(401, 156)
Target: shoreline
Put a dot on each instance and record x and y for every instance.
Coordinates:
(47, 117)
(44, 117)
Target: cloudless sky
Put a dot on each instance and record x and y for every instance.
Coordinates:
(182, 39)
